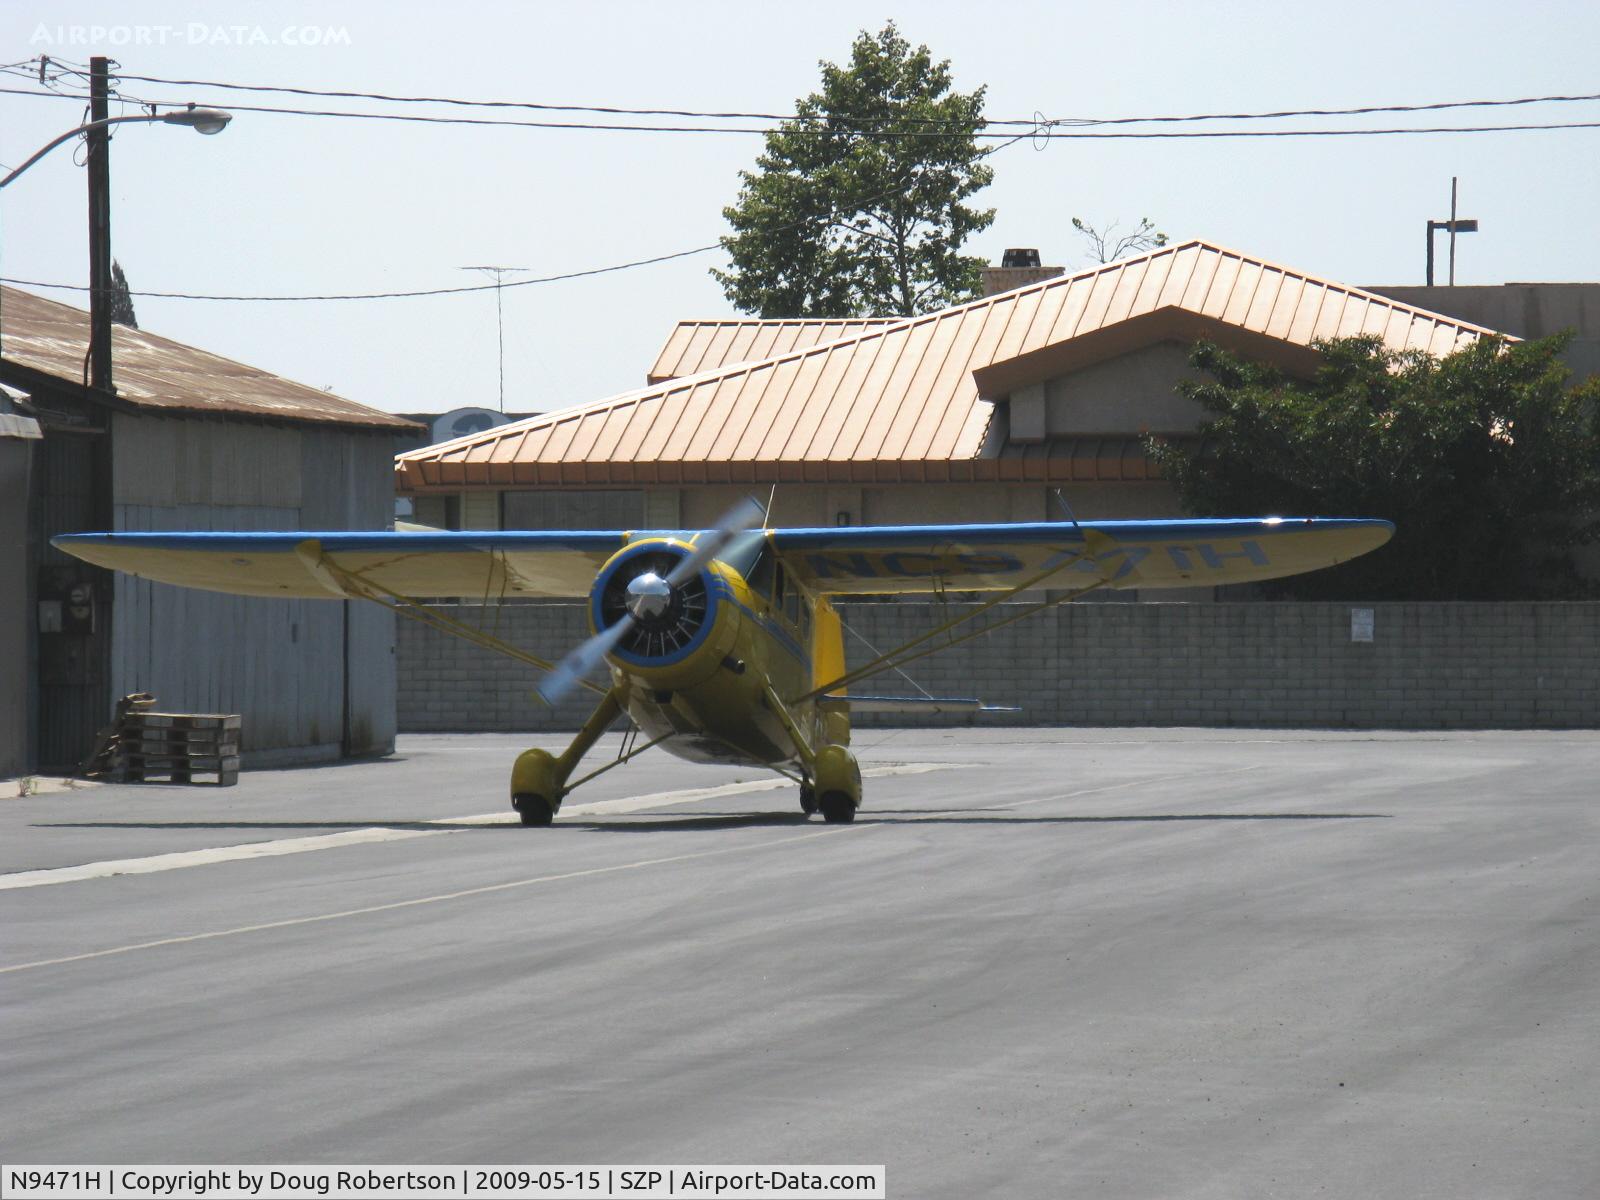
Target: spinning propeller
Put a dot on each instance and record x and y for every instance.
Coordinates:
(649, 596)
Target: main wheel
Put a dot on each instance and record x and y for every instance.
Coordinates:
(808, 799)
(534, 810)
(838, 808)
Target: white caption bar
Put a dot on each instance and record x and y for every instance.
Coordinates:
(651, 1182)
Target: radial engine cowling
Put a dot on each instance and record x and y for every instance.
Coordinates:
(680, 632)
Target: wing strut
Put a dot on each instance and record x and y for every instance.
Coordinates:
(355, 585)
(1096, 543)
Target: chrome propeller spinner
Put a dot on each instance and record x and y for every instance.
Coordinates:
(649, 597)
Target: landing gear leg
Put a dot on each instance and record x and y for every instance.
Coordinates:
(838, 785)
(539, 778)
(832, 777)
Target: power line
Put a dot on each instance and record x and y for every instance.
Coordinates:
(1363, 110)
(1280, 133)
(448, 291)
(502, 122)
(1042, 127)
(526, 104)
(1047, 130)
(46, 95)
(599, 126)
(484, 287)
(952, 127)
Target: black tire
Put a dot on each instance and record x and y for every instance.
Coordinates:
(838, 808)
(534, 810)
(808, 799)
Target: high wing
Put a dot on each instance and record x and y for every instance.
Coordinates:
(830, 561)
(310, 565)
(1118, 554)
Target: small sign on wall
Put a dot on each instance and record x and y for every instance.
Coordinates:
(1361, 624)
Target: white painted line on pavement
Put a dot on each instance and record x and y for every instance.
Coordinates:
(438, 899)
(200, 858)
(356, 837)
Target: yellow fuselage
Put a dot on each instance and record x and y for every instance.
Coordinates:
(720, 702)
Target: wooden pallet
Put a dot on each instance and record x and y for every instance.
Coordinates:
(102, 762)
(175, 747)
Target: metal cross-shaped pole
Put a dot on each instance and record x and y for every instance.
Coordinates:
(1455, 225)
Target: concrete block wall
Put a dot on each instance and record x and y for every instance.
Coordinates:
(1429, 666)
(449, 684)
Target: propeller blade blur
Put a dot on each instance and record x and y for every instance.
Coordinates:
(581, 661)
(744, 515)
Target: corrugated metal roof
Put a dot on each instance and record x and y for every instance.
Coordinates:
(12, 425)
(904, 401)
(695, 346)
(158, 375)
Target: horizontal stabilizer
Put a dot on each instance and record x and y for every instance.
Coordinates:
(911, 704)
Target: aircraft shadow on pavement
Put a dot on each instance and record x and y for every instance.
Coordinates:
(689, 822)
(693, 821)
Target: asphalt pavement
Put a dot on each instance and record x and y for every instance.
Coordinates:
(1042, 963)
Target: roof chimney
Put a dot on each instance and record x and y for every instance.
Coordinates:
(1018, 268)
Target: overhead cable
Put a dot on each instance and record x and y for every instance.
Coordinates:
(1282, 114)
(1048, 130)
(478, 287)
(1058, 127)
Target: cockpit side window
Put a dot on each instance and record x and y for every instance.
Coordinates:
(760, 574)
(791, 605)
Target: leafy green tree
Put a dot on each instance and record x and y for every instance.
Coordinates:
(856, 208)
(1487, 461)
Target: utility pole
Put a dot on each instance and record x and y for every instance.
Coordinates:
(499, 274)
(99, 164)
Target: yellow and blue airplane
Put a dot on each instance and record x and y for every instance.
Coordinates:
(723, 645)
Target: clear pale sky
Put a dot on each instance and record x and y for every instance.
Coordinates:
(283, 204)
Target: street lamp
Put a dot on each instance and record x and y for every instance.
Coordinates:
(201, 120)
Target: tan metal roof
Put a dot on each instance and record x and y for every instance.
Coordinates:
(695, 346)
(158, 375)
(905, 401)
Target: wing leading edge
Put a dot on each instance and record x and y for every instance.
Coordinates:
(296, 565)
(1121, 554)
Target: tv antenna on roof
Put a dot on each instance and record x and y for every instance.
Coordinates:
(499, 274)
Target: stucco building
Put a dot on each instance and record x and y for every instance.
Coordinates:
(973, 413)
